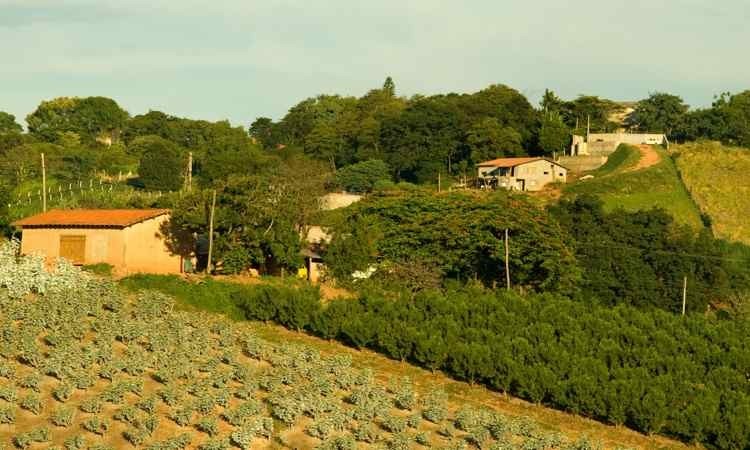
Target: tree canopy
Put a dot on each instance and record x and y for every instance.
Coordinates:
(459, 235)
(8, 123)
(90, 118)
(162, 164)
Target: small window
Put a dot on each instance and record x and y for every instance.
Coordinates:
(546, 173)
(561, 174)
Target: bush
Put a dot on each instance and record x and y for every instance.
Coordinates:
(236, 260)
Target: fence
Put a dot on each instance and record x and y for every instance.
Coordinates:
(71, 194)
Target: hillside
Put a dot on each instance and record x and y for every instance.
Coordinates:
(103, 369)
(626, 182)
(717, 178)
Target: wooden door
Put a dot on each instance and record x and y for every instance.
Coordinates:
(73, 248)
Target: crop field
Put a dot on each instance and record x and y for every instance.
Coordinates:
(620, 184)
(86, 366)
(717, 179)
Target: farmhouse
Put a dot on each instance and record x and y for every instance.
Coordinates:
(521, 174)
(130, 240)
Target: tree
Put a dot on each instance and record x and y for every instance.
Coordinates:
(91, 118)
(389, 87)
(162, 165)
(508, 106)
(459, 235)
(5, 199)
(260, 216)
(660, 113)
(551, 103)
(230, 154)
(8, 123)
(593, 108)
(554, 135)
(363, 176)
(265, 132)
(487, 139)
(737, 113)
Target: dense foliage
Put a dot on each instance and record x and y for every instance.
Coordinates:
(459, 235)
(162, 164)
(362, 177)
(88, 119)
(8, 123)
(640, 258)
(258, 218)
(653, 371)
(417, 137)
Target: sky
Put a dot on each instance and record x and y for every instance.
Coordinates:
(242, 59)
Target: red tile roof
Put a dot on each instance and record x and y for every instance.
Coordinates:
(119, 218)
(507, 162)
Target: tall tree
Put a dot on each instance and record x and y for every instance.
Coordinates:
(8, 123)
(551, 102)
(487, 139)
(659, 113)
(265, 132)
(554, 135)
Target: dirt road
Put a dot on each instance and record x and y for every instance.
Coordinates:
(649, 157)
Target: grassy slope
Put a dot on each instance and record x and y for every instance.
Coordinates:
(620, 186)
(204, 297)
(718, 180)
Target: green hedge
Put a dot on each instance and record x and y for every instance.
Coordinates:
(653, 371)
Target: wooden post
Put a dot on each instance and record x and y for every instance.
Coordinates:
(211, 233)
(438, 181)
(684, 294)
(44, 185)
(507, 263)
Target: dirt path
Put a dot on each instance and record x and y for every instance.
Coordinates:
(649, 157)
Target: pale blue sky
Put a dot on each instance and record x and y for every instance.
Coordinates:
(239, 59)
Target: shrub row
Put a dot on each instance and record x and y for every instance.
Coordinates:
(653, 371)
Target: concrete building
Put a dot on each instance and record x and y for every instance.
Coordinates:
(604, 144)
(520, 174)
(130, 240)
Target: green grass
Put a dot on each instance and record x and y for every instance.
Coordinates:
(718, 178)
(206, 294)
(624, 157)
(658, 186)
(102, 269)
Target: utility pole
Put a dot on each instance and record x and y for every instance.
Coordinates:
(211, 233)
(507, 263)
(684, 294)
(190, 172)
(44, 186)
(438, 181)
(588, 126)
